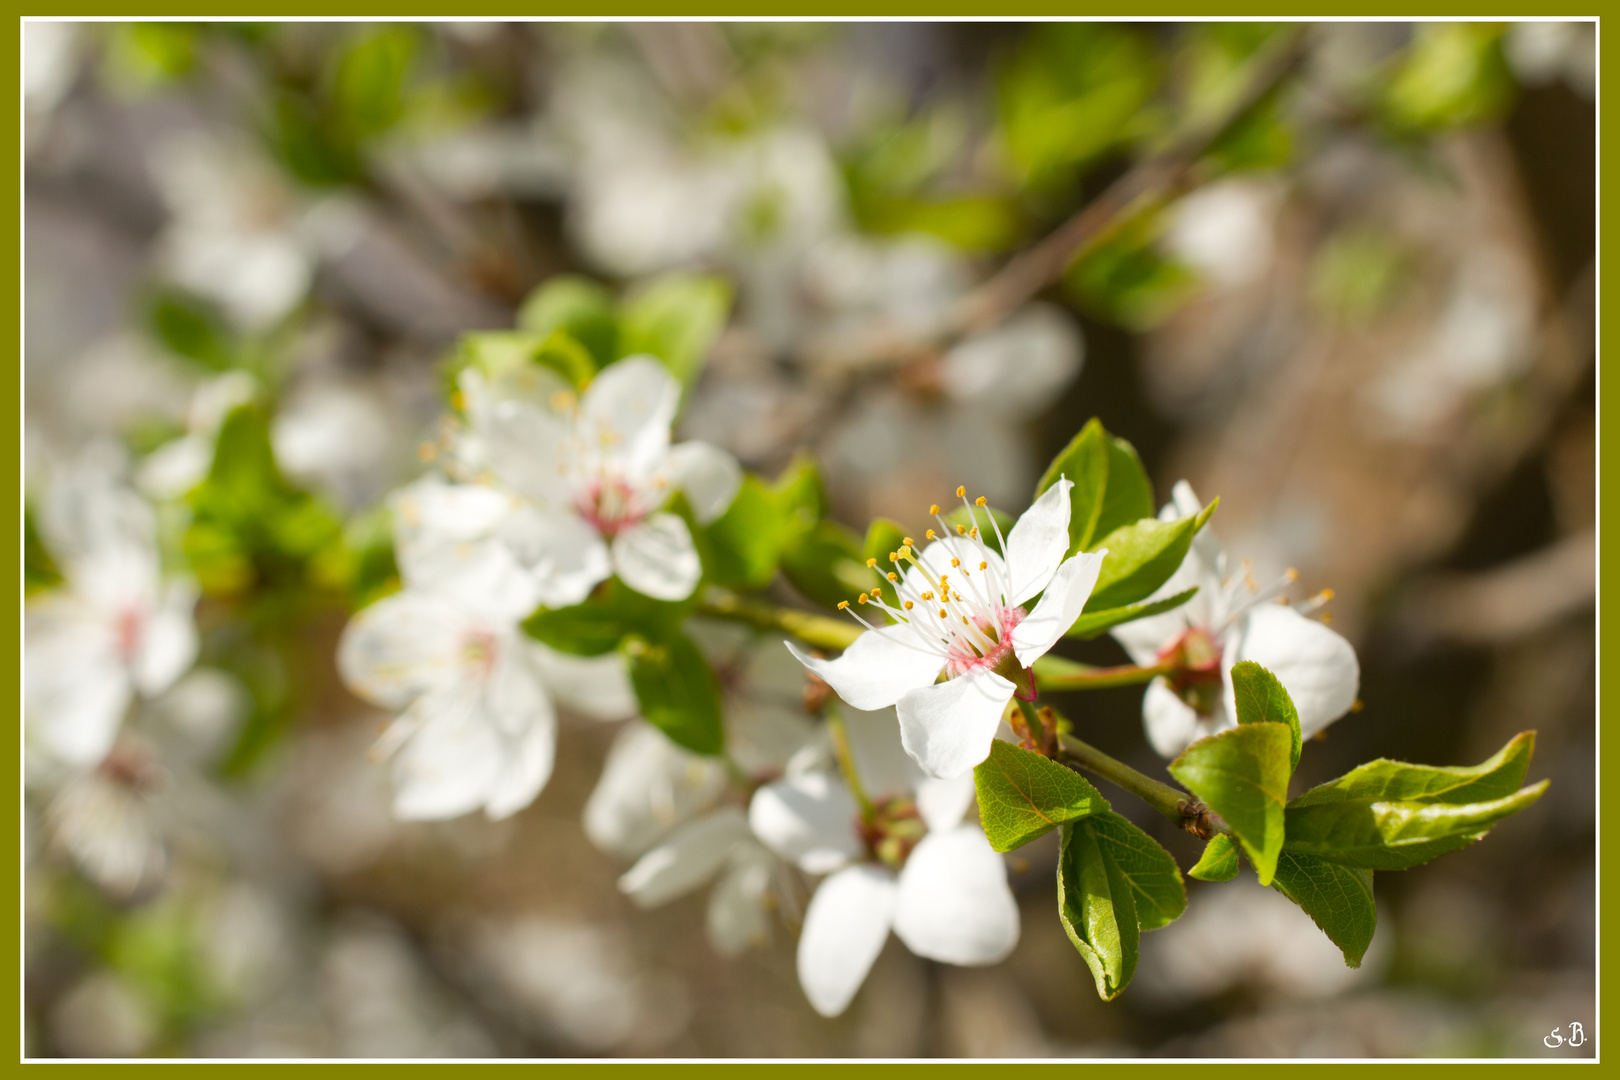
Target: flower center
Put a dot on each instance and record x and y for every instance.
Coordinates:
(894, 828)
(1196, 656)
(478, 650)
(127, 634)
(610, 504)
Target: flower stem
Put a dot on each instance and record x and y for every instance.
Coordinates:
(1056, 673)
(1037, 730)
(1175, 804)
(818, 631)
(846, 761)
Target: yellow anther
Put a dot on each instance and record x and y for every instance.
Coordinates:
(877, 590)
(984, 566)
(961, 530)
(961, 492)
(908, 605)
(908, 541)
(458, 401)
(933, 508)
(871, 562)
(894, 556)
(427, 452)
(942, 613)
(861, 598)
(1327, 594)
(1357, 705)
(843, 605)
(956, 562)
(974, 532)
(930, 534)
(979, 501)
(1291, 574)
(964, 620)
(1327, 616)
(892, 576)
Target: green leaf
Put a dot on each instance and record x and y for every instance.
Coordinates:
(1092, 623)
(800, 493)
(1497, 777)
(746, 539)
(600, 623)
(677, 319)
(1219, 862)
(1157, 891)
(1142, 556)
(190, 328)
(368, 84)
(1242, 774)
(502, 353)
(1097, 908)
(1396, 834)
(883, 538)
(578, 306)
(826, 565)
(676, 689)
(1262, 699)
(1110, 487)
(1023, 795)
(1337, 898)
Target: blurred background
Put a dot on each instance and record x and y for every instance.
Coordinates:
(1364, 319)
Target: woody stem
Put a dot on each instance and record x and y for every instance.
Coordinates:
(1175, 804)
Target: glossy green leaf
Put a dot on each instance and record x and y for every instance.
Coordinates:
(1023, 795)
(1262, 699)
(1497, 777)
(499, 353)
(677, 319)
(1219, 862)
(800, 493)
(1097, 909)
(1242, 775)
(578, 306)
(1337, 898)
(601, 622)
(676, 690)
(1092, 623)
(1378, 834)
(1111, 489)
(1157, 891)
(746, 539)
(1142, 556)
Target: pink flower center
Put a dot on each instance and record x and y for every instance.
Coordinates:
(1196, 657)
(127, 633)
(610, 504)
(967, 652)
(478, 648)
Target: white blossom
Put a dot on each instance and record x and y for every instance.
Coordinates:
(1227, 621)
(959, 608)
(912, 865)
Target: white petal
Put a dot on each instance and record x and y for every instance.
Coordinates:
(401, 646)
(947, 728)
(648, 785)
(738, 915)
(845, 927)
(597, 687)
(168, 641)
(524, 442)
(1060, 605)
(879, 668)
(1316, 665)
(629, 408)
(513, 695)
(1038, 542)
(445, 538)
(563, 553)
(175, 467)
(1143, 638)
(656, 558)
(691, 855)
(943, 802)
(884, 766)
(1171, 724)
(453, 761)
(953, 903)
(808, 819)
(709, 476)
(75, 689)
(529, 757)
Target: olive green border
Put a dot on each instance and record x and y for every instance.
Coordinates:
(1033, 9)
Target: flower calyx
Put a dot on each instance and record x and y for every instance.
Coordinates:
(1194, 660)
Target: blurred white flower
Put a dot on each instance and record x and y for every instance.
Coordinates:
(112, 630)
(1019, 368)
(911, 866)
(51, 52)
(101, 817)
(1540, 52)
(1225, 231)
(478, 727)
(182, 463)
(592, 472)
(974, 630)
(1230, 619)
(336, 436)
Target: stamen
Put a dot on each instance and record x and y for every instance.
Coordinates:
(933, 509)
(979, 501)
(871, 563)
(843, 605)
(908, 605)
(961, 492)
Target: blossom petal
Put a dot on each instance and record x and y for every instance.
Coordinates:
(629, 408)
(808, 819)
(1060, 605)
(175, 467)
(529, 758)
(845, 927)
(1038, 542)
(523, 441)
(879, 668)
(1184, 502)
(168, 642)
(597, 687)
(75, 689)
(943, 802)
(738, 916)
(1315, 664)
(709, 476)
(953, 903)
(452, 761)
(648, 784)
(401, 646)
(690, 856)
(656, 558)
(948, 727)
(1171, 724)
(563, 553)
(445, 538)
